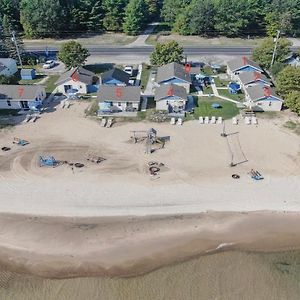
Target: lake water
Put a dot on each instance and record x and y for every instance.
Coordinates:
(227, 275)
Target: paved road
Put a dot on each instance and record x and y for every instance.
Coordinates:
(96, 50)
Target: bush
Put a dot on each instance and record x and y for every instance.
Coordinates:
(8, 79)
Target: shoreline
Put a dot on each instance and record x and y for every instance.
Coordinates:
(60, 247)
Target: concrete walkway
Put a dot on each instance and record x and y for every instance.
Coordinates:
(141, 39)
(216, 94)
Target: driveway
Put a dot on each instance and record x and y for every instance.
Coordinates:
(141, 39)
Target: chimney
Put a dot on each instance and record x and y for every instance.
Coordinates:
(257, 75)
(75, 76)
(118, 92)
(21, 91)
(245, 60)
(187, 68)
(267, 91)
(170, 91)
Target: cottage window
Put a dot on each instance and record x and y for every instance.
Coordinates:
(119, 104)
(8, 103)
(259, 103)
(270, 103)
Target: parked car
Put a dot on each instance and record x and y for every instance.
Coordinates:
(49, 64)
(128, 70)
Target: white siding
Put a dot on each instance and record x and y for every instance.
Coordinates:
(80, 86)
(267, 106)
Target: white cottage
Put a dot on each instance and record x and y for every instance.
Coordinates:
(171, 97)
(21, 96)
(80, 79)
(263, 98)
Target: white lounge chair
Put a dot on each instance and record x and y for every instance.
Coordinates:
(201, 121)
(103, 122)
(68, 104)
(173, 121)
(213, 120)
(234, 121)
(247, 121)
(206, 120)
(63, 104)
(179, 121)
(27, 119)
(220, 120)
(109, 122)
(254, 121)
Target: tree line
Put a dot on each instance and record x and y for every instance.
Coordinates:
(55, 18)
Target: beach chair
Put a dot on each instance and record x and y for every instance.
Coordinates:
(103, 122)
(68, 104)
(20, 142)
(27, 119)
(63, 103)
(213, 120)
(109, 122)
(247, 121)
(206, 120)
(201, 121)
(234, 121)
(220, 120)
(179, 121)
(254, 121)
(173, 121)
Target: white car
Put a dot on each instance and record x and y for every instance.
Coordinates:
(128, 70)
(49, 64)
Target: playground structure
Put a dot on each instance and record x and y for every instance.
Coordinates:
(48, 161)
(256, 175)
(20, 142)
(150, 137)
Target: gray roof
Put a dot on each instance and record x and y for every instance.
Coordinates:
(6, 61)
(16, 92)
(172, 70)
(115, 74)
(241, 62)
(26, 71)
(119, 93)
(169, 90)
(248, 77)
(258, 92)
(79, 73)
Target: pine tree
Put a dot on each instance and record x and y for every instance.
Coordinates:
(114, 14)
(135, 17)
(9, 45)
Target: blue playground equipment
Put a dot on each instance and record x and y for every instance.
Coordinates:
(216, 105)
(48, 161)
(20, 142)
(234, 88)
(256, 175)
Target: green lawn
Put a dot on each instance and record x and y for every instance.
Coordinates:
(237, 97)
(36, 80)
(50, 83)
(221, 82)
(145, 75)
(207, 90)
(204, 108)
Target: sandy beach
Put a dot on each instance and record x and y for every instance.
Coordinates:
(196, 176)
(114, 219)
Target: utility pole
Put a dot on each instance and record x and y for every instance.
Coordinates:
(275, 48)
(13, 33)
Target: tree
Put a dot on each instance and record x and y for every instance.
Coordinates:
(264, 52)
(231, 17)
(173, 8)
(8, 79)
(72, 54)
(292, 101)
(166, 52)
(114, 14)
(154, 7)
(288, 80)
(197, 19)
(135, 17)
(8, 44)
(42, 18)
